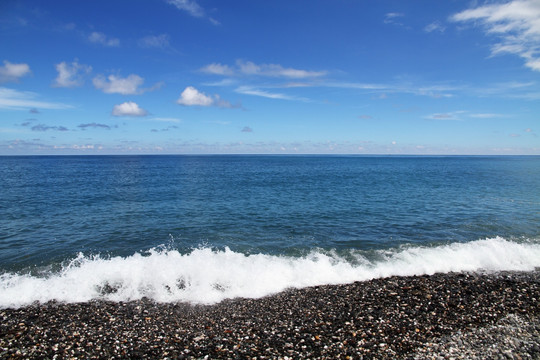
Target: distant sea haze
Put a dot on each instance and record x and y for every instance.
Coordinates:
(205, 228)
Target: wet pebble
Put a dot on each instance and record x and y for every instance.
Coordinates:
(457, 315)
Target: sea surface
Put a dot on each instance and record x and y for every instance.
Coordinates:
(205, 228)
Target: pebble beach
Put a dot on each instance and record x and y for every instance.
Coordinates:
(442, 316)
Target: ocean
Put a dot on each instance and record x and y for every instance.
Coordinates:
(201, 229)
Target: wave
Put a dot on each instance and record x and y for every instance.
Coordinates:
(207, 276)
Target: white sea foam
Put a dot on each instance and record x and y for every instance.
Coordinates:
(207, 276)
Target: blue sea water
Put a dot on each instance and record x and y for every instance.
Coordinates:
(205, 228)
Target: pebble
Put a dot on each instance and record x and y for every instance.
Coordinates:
(442, 316)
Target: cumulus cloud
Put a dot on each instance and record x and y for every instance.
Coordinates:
(193, 97)
(71, 75)
(247, 129)
(13, 72)
(158, 41)
(516, 24)
(268, 70)
(102, 39)
(128, 108)
(115, 84)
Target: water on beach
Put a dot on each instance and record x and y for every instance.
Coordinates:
(205, 228)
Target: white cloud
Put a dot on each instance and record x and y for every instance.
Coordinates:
(485, 116)
(115, 84)
(12, 72)
(393, 15)
(274, 70)
(101, 38)
(159, 41)
(434, 91)
(390, 18)
(269, 70)
(359, 86)
(193, 97)
(459, 115)
(218, 69)
(70, 75)
(434, 26)
(516, 23)
(23, 100)
(166, 119)
(190, 6)
(515, 90)
(222, 82)
(248, 90)
(128, 109)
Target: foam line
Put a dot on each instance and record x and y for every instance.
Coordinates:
(207, 276)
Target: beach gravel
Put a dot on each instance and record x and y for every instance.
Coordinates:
(441, 316)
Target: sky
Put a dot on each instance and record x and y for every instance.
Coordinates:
(269, 77)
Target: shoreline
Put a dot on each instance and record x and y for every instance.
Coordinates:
(471, 315)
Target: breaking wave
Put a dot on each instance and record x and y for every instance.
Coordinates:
(207, 276)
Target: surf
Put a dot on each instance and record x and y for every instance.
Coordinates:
(208, 276)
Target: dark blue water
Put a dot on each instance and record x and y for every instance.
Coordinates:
(52, 208)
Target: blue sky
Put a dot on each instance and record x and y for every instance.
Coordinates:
(254, 76)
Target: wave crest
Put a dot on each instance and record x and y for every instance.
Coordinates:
(207, 276)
